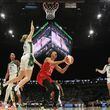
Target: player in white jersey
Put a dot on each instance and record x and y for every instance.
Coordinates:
(27, 60)
(106, 69)
(12, 71)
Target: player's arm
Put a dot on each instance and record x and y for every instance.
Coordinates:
(29, 38)
(36, 62)
(7, 75)
(39, 64)
(55, 62)
(101, 71)
(61, 70)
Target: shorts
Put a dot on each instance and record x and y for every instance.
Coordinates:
(12, 76)
(27, 62)
(41, 78)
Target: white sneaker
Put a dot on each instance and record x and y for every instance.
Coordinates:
(16, 88)
(42, 108)
(14, 104)
(5, 84)
(6, 107)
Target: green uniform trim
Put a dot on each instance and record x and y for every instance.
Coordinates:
(30, 43)
(31, 61)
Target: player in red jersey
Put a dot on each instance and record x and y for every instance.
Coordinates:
(44, 76)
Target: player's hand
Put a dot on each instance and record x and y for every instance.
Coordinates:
(4, 80)
(5, 84)
(32, 25)
(64, 59)
(40, 65)
(96, 69)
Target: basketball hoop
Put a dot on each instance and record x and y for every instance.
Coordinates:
(50, 9)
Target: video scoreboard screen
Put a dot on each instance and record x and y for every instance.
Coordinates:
(51, 35)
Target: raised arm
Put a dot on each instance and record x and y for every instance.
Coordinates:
(39, 64)
(62, 71)
(29, 38)
(36, 62)
(101, 71)
(55, 62)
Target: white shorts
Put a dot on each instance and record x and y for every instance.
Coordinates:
(27, 62)
(12, 76)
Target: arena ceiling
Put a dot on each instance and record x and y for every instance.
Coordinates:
(89, 52)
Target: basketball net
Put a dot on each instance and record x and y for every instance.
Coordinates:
(50, 8)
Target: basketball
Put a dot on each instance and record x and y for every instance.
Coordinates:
(69, 60)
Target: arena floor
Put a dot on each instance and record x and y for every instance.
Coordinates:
(36, 108)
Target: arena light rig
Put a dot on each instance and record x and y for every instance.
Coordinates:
(2, 15)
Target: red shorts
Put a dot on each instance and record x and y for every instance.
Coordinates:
(40, 78)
